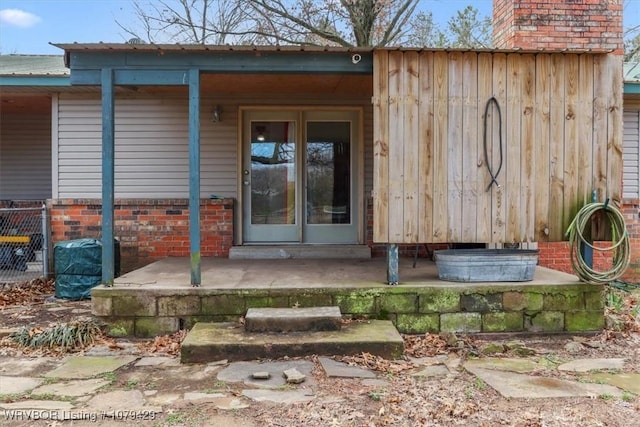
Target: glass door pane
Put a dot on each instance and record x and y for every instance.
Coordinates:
(270, 184)
(330, 207)
(273, 173)
(328, 169)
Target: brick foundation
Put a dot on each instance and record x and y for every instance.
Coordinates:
(151, 229)
(148, 229)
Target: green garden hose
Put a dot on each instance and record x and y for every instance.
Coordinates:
(619, 238)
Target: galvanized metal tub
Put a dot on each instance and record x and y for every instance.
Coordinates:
(486, 265)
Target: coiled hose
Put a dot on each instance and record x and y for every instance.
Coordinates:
(620, 244)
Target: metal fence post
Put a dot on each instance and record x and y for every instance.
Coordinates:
(45, 243)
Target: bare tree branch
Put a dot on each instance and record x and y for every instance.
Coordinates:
(302, 22)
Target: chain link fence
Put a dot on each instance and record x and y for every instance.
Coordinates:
(24, 244)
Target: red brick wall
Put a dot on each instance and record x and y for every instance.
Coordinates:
(556, 255)
(631, 212)
(148, 229)
(558, 24)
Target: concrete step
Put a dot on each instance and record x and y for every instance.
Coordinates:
(293, 319)
(208, 342)
(300, 251)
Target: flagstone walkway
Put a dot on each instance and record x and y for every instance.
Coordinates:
(122, 386)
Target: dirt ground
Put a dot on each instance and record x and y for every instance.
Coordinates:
(403, 400)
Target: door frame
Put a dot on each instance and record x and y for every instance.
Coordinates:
(357, 178)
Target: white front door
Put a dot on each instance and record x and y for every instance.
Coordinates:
(298, 177)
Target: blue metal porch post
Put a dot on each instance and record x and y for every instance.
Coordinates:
(194, 175)
(108, 172)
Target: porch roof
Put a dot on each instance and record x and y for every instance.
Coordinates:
(632, 77)
(37, 71)
(150, 47)
(168, 64)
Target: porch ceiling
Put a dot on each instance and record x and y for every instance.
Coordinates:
(288, 83)
(274, 84)
(35, 104)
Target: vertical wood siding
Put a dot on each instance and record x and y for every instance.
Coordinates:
(25, 163)
(631, 155)
(561, 138)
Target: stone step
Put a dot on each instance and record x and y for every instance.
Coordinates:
(293, 319)
(208, 342)
(300, 251)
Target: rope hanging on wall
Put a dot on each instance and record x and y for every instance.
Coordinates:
(494, 177)
(619, 246)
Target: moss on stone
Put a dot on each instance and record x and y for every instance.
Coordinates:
(594, 301)
(417, 323)
(316, 299)
(518, 301)
(187, 305)
(564, 301)
(361, 303)
(438, 301)
(584, 321)
(399, 303)
(142, 304)
(502, 322)
(146, 327)
(481, 303)
(460, 322)
(266, 302)
(223, 304)
(544, 321)
(119, 327)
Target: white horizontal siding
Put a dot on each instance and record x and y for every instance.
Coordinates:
(151, 152)
(152, 148)
(631, 155)
(25, 156)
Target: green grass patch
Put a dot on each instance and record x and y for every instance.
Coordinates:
(63, 335)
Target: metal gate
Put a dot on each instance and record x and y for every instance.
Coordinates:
(24, 244)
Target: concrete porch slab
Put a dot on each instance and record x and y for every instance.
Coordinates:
(226, 273)
(300, 251)
(214, 341)
(158, 299)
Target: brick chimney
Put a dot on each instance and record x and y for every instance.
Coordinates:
(558, 25)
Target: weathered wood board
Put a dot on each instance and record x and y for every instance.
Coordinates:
(555, 136)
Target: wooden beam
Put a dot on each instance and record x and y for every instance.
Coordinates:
(397, 144)
(381, 148)
(543, 138)
(235, 62)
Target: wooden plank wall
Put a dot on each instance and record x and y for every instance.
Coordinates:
(558, 131)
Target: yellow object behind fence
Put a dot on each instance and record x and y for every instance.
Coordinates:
(15, 239)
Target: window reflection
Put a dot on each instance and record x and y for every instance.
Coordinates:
(328, 154)
(273, 153)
